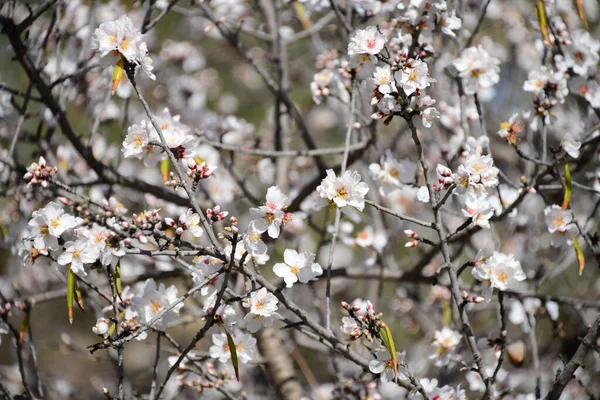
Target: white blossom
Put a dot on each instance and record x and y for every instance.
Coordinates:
(560, 224)
(297, 267)
(383, 365)
(153, 300)
(78, 253)
(244, 345)
(444, 344)
(477, 69)
(120, 38)
(500, 271)
(343, 191)
(263, 310)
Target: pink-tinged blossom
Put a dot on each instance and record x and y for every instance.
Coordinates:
(366, 44)
(39, 173)
(269, 217)
(479, 210)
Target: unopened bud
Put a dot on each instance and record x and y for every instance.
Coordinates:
(411, 243)
(444, 171)
(345, 305)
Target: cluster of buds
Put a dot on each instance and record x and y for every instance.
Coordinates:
(215, 214)
(190, 380)
(445, 178)
(198, 171)
(362, 322)
(467, 298)
(38, 173)
(234, 225)
(413, 236)
(172, 182)
(146, 220)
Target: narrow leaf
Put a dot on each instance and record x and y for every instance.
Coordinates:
(568, 186)
(117, 75)
(79, 299)
(580, 257)
(233, 352)
(301, 13)
(581, 12)
(447, 314)
(24, 326)
(118, 278)
(165, 168)
(540, 12)
(388, 341)
(70, 293)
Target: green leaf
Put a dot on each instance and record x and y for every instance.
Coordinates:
(79, 299)
(388, 341)
(70, 293)
(165, 168)
(233, 352)
(580, 257)
(568, 187)
(301, 13)
(118, 277)
(540, 12)
(447, 313)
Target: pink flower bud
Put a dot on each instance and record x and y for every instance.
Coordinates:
(410, 233)
(411, 243)
(179, 231)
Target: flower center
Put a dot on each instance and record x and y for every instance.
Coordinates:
(55, 223)
(155, 306)
(294, 269)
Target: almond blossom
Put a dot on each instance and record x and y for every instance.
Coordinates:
(270, 216)
(297, 267)
(444, 344)
(479, 210)
(343, 191)
(152, 300)
(77, 254)
(263, 310)
(560, 224)
(366, 44)
(477, 69)
(244, 345)
(500, 271)
(383, 365)
(120, 38)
